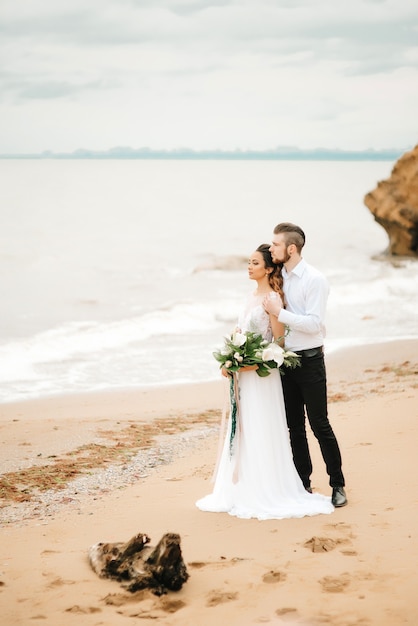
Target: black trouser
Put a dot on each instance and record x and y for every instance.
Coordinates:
(306, 386)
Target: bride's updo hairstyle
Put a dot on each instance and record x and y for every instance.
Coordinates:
(275, 277)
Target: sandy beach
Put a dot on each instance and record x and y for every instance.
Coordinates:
(86, 468)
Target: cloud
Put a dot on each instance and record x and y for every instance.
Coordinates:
(51, 89)
(216, 72)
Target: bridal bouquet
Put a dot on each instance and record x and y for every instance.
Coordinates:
(249, 349)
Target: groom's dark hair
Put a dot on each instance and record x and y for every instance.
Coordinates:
(292, 233)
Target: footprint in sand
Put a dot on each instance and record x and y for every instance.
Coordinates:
(170, 605)
(149, 606)
(288, 614)
(326, 544)
(118, 599)
(157, 608)
(342, 526)
(323, 544)
(224, 562)
(274, 577)
(320, 544)
(335, 584)
(217, 596)
(84, 610)
(59, 582)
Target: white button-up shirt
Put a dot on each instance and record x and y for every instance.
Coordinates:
(306, 292)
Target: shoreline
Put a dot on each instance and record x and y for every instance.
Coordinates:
(45, 389)
(145, 393)
(357, 565)
(333, 356)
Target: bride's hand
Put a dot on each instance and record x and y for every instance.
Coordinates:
(248, 368)
(272, 305)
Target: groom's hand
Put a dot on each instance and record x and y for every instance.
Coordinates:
(272, 306)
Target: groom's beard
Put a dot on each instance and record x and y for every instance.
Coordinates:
(285, 259)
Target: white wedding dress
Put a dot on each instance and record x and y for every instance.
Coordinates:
(259, 479)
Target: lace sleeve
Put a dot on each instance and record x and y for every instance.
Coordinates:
(255, 319)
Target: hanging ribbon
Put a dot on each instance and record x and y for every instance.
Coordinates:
(234, 402)
(234, 448)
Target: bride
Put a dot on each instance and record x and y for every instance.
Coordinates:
(259, 479)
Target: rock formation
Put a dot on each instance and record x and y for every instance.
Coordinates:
(394, 205)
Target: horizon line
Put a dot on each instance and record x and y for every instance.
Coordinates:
(286, 152)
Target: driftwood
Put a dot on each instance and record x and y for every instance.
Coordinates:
(138, 565)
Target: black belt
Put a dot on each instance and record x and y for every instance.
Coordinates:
(310, 352)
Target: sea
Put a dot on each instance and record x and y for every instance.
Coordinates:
(127, 274)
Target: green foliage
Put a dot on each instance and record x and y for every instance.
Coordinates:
(250, 349)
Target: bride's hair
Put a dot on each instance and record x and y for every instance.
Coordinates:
(275, 277)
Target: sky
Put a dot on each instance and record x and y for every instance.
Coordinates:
(208, 74)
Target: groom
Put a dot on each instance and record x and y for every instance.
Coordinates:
(306, 292)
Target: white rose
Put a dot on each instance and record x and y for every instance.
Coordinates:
(238, 357)
(228, 364)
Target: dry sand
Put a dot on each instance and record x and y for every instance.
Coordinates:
(354, 567)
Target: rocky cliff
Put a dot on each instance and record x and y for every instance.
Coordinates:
(394, 205)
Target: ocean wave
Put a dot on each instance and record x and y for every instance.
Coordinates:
(81, 340)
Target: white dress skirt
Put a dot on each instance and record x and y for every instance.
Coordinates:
(258, 479)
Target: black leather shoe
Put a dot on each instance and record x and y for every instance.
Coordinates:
(338, 497)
